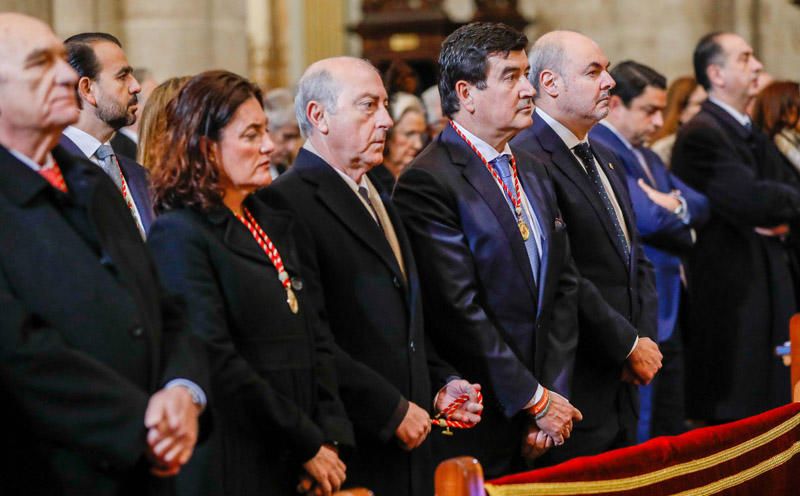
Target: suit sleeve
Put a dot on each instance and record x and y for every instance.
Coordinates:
(182, 257)
(453, 310)
(657, 226)
(707, 160)
(71, 398)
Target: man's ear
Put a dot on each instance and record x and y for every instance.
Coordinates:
(86, 92)
(464, 93)
(317, 116)
(549, 83)
(714, 74)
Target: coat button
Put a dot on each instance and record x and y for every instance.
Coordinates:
(297, 283)
(396, 282)
(137, 332)
(412, 346)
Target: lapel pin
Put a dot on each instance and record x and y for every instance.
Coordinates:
(611, 165)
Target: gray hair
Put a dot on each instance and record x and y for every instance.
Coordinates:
(402, 102)
(545, 54)
(279, 107)
(319, 86)
(433, 104)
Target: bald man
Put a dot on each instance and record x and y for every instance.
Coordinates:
(617, 302)
(99, 383)
(369, 278)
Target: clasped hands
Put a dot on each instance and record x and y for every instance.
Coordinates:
(553, 429)
(416, 425)
(171, 419)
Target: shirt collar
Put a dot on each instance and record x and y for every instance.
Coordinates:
(741, 118)
(48, 161)
(87, 143)
(565, 134)
(484, 148)
(347, 179)
(617, 134)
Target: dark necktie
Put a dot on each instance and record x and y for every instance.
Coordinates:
(584, 152)
(502, 166)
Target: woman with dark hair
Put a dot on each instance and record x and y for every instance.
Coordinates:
(239, 266)
(777, 112)
(684, 97)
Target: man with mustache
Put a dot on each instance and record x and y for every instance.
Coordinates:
(107, 94)
(742, 293)
(617, 304)
(370, 282)
(499, 282)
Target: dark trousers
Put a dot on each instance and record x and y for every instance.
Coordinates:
(662, 407)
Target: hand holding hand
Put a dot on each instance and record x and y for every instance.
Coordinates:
(414, 428)
(668, 201)
(557, 422)
(171, 420)
(326, 469)
(645, 360)
(536, 443)
(469, 411)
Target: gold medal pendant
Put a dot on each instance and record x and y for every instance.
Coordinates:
(291, 300)
(523, 230)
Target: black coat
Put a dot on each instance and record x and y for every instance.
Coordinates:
(741, 294)
(617, 299)
(86, 333)
(483, 309)
(376, 318)
(274, 388)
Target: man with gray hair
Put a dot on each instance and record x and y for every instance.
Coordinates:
(369, 278)
(617, 302)
(283, 129)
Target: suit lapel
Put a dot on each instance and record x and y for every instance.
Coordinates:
(563, 159)
(342, 202)
(139, 189)
(474, 171)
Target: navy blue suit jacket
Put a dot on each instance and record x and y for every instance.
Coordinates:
(135, 176)
(665, 236)
(483, 309)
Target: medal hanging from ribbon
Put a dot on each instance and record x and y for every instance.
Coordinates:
(514, 196)
(442, 419)
(272, 253)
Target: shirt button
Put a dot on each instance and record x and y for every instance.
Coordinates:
(137, 332)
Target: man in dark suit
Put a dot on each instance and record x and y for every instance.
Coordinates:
(667, 214)
(742, 295)
(369, 277)
(93, 358)
(500, 285)
(107, 93)
(617, 301)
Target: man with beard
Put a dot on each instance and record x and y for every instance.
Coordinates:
(107, 95)
(617, 303)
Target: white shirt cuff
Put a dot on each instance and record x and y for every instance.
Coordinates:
(198, 395)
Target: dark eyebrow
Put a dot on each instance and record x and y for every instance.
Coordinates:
(592, 66)
(124, 71)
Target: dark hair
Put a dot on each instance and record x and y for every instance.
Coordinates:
(182, 174)
(633, 78)
(465, 55)
(775, 104)
(707, 52)
(80, 53)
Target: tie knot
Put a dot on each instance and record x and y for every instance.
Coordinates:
(104, 151)
(363, 192)
(584, 152)
(501, 164)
